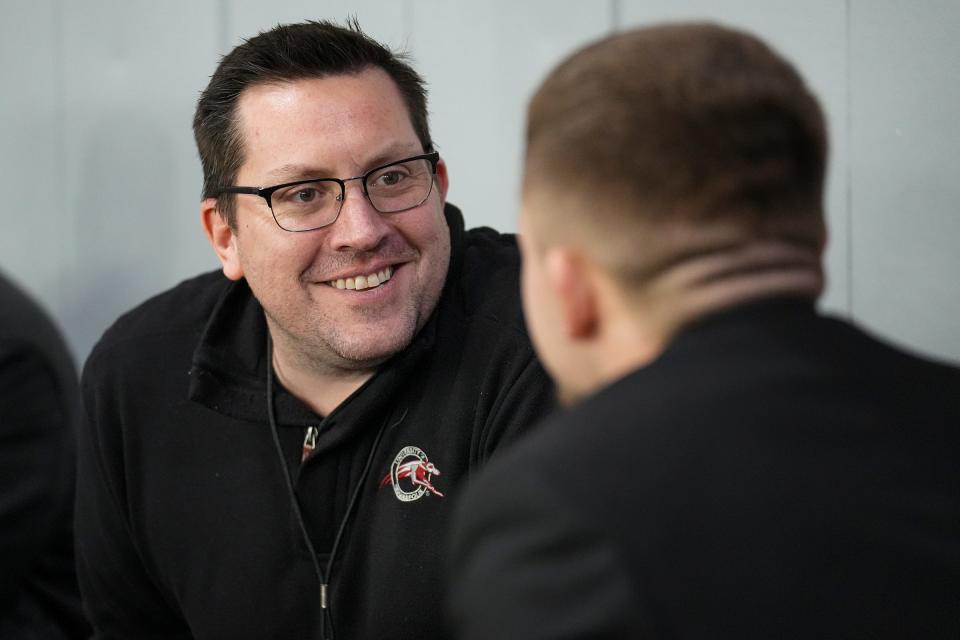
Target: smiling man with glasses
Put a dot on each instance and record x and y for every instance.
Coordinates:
(273, 451)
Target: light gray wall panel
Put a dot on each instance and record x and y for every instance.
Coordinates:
(384, 21)
(98, 100)
(483, 60)
(132, 179)
(32, 236)
(812, 35)
(905, 101)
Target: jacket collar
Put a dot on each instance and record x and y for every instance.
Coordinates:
(229, 368)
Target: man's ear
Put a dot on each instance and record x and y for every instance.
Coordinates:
(222, 238)
(571, 278)
(443, 180)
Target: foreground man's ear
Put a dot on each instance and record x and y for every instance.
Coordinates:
(221, 237)
(571, 278)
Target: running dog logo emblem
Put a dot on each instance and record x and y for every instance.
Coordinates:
(410, 475)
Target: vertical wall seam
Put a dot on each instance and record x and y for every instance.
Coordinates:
(66, 245)
(616, 15)
(223, 27)
(408, 16)
(848, 33)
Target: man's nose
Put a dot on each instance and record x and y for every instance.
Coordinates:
(359, 226)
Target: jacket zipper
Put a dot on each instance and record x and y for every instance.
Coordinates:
(309, 442)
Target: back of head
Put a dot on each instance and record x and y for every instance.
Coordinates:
(676, 140)
(283, 54)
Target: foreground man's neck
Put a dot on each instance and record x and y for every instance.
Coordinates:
(643, 326)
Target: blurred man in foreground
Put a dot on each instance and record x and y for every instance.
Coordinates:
(733, 464)
(38, 414)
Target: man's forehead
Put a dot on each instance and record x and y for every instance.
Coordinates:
(323, 126)
(310, 101)
(390, 152)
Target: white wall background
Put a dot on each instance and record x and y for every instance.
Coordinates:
(101, 180)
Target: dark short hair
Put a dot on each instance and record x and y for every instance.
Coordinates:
(286, 53)
(681, 123)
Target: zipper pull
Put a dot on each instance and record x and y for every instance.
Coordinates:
(323, 596)
(309, 442)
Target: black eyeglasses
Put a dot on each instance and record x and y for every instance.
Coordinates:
(306, 205)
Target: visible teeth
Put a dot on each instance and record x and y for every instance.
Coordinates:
(363, 282)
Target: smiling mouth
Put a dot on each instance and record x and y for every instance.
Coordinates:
(361, 282)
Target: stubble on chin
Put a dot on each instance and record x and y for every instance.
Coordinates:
(369, 346)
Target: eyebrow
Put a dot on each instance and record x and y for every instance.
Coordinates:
(293, 172)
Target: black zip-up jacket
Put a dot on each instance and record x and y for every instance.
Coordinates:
(186, 525)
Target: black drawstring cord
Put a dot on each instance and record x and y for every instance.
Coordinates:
(275, 432)
(353, 502)
(325, 618)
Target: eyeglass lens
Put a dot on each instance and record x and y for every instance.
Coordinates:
(315, 204)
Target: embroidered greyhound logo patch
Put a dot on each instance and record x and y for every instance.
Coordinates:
(410, 474)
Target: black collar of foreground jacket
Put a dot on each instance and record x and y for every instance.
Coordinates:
(228, 373)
